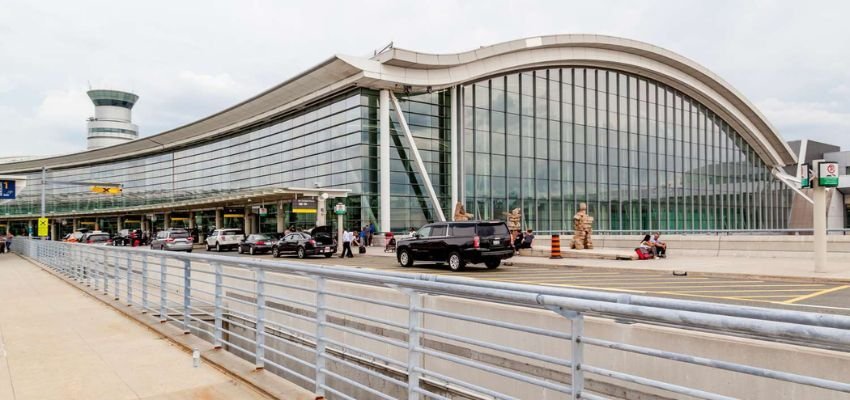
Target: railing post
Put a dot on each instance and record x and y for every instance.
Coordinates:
(103, 274)
(218, 305)
(129, 280)
(144, 283)
(187, 293)
(414, 356)
(163, 293)
(577, 351)
(115, 281)
(321, 317)
(260, 326)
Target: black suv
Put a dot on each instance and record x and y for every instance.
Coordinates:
(458, 243)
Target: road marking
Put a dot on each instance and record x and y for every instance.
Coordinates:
(815, 294)
(744, 291)
(589, 287)
(713, 286)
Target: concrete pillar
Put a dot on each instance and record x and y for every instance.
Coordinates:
(54, 234)
(281, 223)
(74, 224)
(119, 226)
(321, 212)
(249, 221)
(166, 220)
(97, 224)
(218, 220)
(384, 161)
(192, 220)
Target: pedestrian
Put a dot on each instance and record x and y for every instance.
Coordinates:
(9, 237)
(371, 232)
(659, 247)
(517, 242)
(347, 238)
(364, 236)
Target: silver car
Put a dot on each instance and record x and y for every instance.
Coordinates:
(173, 240)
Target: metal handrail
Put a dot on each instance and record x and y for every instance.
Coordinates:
(246, 293)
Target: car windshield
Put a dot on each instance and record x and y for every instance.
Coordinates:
(492, 229)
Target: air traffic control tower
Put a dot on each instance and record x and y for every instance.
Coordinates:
(111, 123)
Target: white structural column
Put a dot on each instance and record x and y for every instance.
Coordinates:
(455, 148)
(384, 160)
(218, 219)
(119, 223)
(415, 150)
(819, 219)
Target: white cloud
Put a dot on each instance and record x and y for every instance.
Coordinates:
(826, 122)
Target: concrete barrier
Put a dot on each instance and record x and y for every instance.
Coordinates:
(779, 246)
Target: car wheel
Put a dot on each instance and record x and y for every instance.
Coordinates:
(455, 262)
(301, 252)
(152, 248)
(251, 251)
(328, 255)
(275, 252)
(239, 249)
(188, 251)
(405, 258)
(218, 247)
(208, 246)
(492, 263)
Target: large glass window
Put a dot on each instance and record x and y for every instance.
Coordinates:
(642, 155)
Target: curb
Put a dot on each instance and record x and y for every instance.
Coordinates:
(708, 274)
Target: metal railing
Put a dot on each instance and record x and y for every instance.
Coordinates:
(350, 334)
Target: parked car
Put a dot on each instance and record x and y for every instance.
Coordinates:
(173, 240)
(223, 239)
(126, 237)
(458, 244)
(319, 241)
(96, 237)
(76, 236)
(256, 243)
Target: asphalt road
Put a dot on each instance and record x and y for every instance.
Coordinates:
(803, 296)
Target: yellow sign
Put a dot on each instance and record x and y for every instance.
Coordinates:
(107, 189)
(43, 227)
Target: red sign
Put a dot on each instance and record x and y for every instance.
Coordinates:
(831, 168)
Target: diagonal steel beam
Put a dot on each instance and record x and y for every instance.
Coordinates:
(419, 164)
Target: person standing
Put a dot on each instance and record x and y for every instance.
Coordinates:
(9, 237)
(347, 238)
(371, 232)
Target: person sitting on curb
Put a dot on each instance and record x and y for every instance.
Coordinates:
(659, 247)
(527, 239)
(645, 249)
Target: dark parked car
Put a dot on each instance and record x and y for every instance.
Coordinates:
(126, 237)
(458, 244)
(256, 243)
(318, 242)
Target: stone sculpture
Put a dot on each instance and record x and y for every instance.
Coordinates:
(514, 220)
(583, 227)
(460, 213)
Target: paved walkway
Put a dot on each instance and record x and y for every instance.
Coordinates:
(838, 268)
(57, 342)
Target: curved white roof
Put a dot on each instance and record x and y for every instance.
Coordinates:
(396, 68)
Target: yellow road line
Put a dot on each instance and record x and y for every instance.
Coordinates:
(763, 297)
(713, 286)
(716, 297)
(744, 291)
(585, 287)
(815, 294)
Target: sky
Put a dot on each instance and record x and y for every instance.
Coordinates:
(189, 59)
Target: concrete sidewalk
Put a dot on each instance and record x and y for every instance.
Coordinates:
(56, 342)
(798, 269)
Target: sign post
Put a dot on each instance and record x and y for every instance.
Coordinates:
(819, 212)
(339, 210)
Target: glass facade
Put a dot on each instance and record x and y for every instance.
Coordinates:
(642, 155)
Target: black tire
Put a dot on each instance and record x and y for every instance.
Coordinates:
(251, 251)
(218, 247)
(152, 248)
(239, 249)
(328, 255)
(188, 251)
(455, 262)
(275, 252)
(301, 253)
(492, 263)
(405, 258)
(208, 246)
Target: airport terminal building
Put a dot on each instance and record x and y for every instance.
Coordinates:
(647, 138)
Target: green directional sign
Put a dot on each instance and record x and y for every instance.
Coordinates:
(828, 174)
(805, 176)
